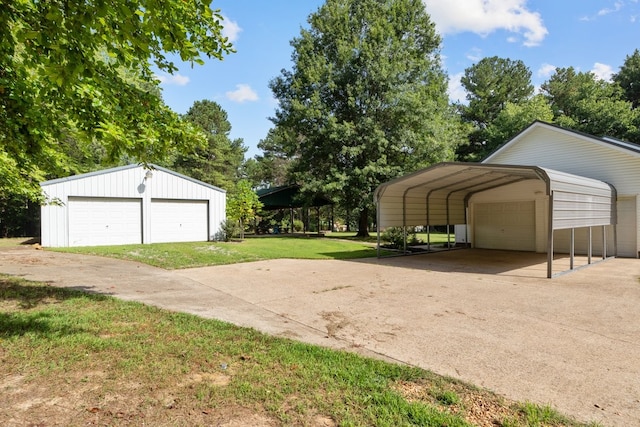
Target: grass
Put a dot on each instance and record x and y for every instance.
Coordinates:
(198, 254)
(74, 358)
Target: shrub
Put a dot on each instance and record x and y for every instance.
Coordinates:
(228, 229)
(297, 225)
(395, 236)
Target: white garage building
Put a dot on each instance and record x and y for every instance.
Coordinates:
(548, 189)
(130, 204)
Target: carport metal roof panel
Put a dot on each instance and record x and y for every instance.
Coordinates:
(438, 195)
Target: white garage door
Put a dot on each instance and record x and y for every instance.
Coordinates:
(104, 221)
(179, 221)
(509, 225)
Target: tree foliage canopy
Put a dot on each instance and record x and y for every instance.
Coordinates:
(366, 99)
(491, 85)
(219, 161)
(583, 102)
(629, 78)
(84, 67)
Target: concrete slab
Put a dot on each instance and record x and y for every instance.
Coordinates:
(487, 317)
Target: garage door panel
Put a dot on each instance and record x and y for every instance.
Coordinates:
(509, 225)
(104, 221)
(178, 220)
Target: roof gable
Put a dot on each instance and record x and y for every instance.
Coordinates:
(536, 126)
(117, 169)
(549, 146)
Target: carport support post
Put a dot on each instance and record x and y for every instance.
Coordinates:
(550, 239)
(589, 249)
(572, 248)
(378, 225)
(604, 242)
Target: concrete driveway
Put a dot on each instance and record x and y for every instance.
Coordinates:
(486, 317)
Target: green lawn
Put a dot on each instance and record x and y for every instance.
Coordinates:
(197, 254)
(74, 358)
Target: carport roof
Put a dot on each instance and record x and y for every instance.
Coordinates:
(438, 195)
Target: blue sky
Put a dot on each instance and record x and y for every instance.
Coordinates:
(590, 35)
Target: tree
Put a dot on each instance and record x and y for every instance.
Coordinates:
(629, 78)
(514, 118)
(218, 162)
(583, 102)
(86, 66)
(272, 169)
(243, 204)
(491, 84)
(365, 100)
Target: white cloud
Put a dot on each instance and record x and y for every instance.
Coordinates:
(602, 71)
(616, 7)
(456, 91)
(486, 16)
(242, 93)
(546, 70)
(173, 79)
(230, 29)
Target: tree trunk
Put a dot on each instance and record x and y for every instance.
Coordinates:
(363, 223)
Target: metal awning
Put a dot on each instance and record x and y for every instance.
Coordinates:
(439, 195)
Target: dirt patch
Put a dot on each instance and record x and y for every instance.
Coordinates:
(95, 399)
(336, 321)
(478, 407)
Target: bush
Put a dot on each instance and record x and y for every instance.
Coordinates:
(297, 225)
(394, 236)
(228, 229)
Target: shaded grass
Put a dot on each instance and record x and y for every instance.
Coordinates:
(106, 360)
(198, 254)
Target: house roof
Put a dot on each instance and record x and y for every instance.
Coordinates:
(151, 167)
(611, 142)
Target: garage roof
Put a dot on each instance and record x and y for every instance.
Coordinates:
(439, 194)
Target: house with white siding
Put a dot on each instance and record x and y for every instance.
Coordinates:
(129, 204)
(548, 189)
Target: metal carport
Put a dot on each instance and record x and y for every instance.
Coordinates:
(439, 195)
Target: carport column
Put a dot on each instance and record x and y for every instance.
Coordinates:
(572, 248)
(590, 249)
(377, 224)
(404, 221)
(550, 239)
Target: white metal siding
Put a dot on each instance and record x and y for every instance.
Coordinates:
(627, 220)
(567, 152)
(125, 182)
(508, 226)
(572, 153)
(104, 221)
(178, 221)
